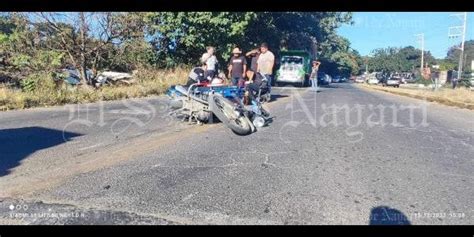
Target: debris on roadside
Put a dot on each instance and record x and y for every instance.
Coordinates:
(114, 78)
(72, 77)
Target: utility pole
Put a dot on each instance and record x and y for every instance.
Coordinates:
(459, 31)
(366, 66)
(421, 38)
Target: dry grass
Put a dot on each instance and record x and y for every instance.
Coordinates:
(461, 97)
(149, 82)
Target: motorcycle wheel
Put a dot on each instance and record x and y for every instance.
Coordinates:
(224, 109)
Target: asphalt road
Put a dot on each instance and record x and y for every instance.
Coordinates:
(343, 155)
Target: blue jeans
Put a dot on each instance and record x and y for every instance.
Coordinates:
(314, 82)
(211, 73)
(236, 80)
(270, 80)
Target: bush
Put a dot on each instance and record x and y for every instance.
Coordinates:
(465, 82)
(420, 80)
(28, 85)
(41, 90)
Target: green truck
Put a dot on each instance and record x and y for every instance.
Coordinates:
(295, 68)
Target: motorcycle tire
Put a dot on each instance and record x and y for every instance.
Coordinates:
(218, 105)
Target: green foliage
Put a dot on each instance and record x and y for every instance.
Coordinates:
(181, 37)
(41, 42)
(453, 54)
(420, 80)
(39, 82)
(446, 65)
(28, 84)
(393, 59)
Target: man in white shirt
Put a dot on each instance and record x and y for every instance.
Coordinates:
(265, 62)
(211, 61)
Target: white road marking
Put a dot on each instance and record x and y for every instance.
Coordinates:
(89, 147)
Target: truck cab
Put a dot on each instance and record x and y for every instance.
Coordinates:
(295, 68)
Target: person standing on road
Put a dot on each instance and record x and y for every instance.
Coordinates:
(314, 75)
(265, 63)
(454, 81)
(237, 68)
(211, 61)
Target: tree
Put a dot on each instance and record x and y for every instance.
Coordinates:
(22, 50)
(180, 37)
(454, 53)
(124, 41)
(446, 64)
(394, 59)
(89, 38)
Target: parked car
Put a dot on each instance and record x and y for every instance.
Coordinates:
(323, 79)
(336, 79)
(372, 78)
(359, 79)
(394, 80)
(373, 81)
(329, 78)
(410, 78)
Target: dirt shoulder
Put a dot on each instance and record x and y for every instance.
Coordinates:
(462, 98)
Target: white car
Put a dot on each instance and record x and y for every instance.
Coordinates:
(373, 81)
(359, 79)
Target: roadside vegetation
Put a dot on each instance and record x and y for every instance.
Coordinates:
(49, 93)
(460, 97)
(160, 47)
(408, 59)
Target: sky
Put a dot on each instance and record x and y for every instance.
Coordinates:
(373, 30)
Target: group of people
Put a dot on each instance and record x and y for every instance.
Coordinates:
(262, 61)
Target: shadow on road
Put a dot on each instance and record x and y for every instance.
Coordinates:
(334, 86)
(18, 143)
(384, 215)
(275, 97)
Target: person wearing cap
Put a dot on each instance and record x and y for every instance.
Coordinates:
(237, 68)
(265, 62)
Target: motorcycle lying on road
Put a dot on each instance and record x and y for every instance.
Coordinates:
(201, 101)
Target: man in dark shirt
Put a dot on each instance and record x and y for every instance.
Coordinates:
(237, 68)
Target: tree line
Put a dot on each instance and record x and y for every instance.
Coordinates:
(408, 59)
(46, 41)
